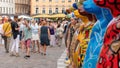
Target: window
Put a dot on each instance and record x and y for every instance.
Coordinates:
(37, 0)
(43, 0)
(43, 11)
(11, 1)
(12, 11)
(50, 10)
(63, 10)
(56, 10)
(63, 1)
(56, 0)
(9, 11)
(36, 10)
(50, 0)
(69, 0)
(76, 0)
(6, 10)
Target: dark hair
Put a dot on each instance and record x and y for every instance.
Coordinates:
(58, 25)
(19, 20)
(16, 16)
(9, 20)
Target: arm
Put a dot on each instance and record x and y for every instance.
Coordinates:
(17, 27)
(9, 31)
(28, 26)
(39, 31)
(49, 33)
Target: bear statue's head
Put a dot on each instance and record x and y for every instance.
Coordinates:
(92, 8)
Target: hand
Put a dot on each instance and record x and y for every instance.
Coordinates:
(49, 37)
(16, 28)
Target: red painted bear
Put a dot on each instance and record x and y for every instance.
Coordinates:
(110, 52)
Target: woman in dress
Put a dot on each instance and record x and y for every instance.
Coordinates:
(44, 37)
(52, 35)
(35, 36)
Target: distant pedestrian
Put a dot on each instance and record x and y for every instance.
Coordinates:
(21, 25)
(44, 37)
(15, 32)
(35, 36)
(59, 34)
(27, 32)
(7, 32)
(52, 34)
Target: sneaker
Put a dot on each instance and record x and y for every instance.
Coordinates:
(17, 55)
(7, 51)
(44, 54)
(27, 56)
(12, 54)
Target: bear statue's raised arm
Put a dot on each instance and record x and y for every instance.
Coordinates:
(103, 16)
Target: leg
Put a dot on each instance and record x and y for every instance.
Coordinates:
(22, 45)
(5, 44)
(60, 42)
(45, 47)
(8, 43)
(13, 46)
(54, 42)
(38, 45)
(42, 49)
(17, 46)
(33, 45)
(27, 49)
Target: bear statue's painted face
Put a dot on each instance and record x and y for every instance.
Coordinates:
(91, 7)
(113, 5)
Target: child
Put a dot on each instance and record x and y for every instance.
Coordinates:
(27, 38)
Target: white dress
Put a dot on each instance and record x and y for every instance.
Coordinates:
(35, 35)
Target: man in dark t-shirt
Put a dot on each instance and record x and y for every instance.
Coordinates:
(15, 32)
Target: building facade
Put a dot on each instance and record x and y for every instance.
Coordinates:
(50, 6)
(22, 7)
(7, 7)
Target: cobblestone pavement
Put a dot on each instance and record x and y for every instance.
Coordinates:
(36, 60)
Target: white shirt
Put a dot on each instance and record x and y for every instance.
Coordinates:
(35, 28)
(59, 31)
(21, 26)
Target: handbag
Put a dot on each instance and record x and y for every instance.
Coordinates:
(3, 36)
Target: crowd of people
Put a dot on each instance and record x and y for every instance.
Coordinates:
(30, 35)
